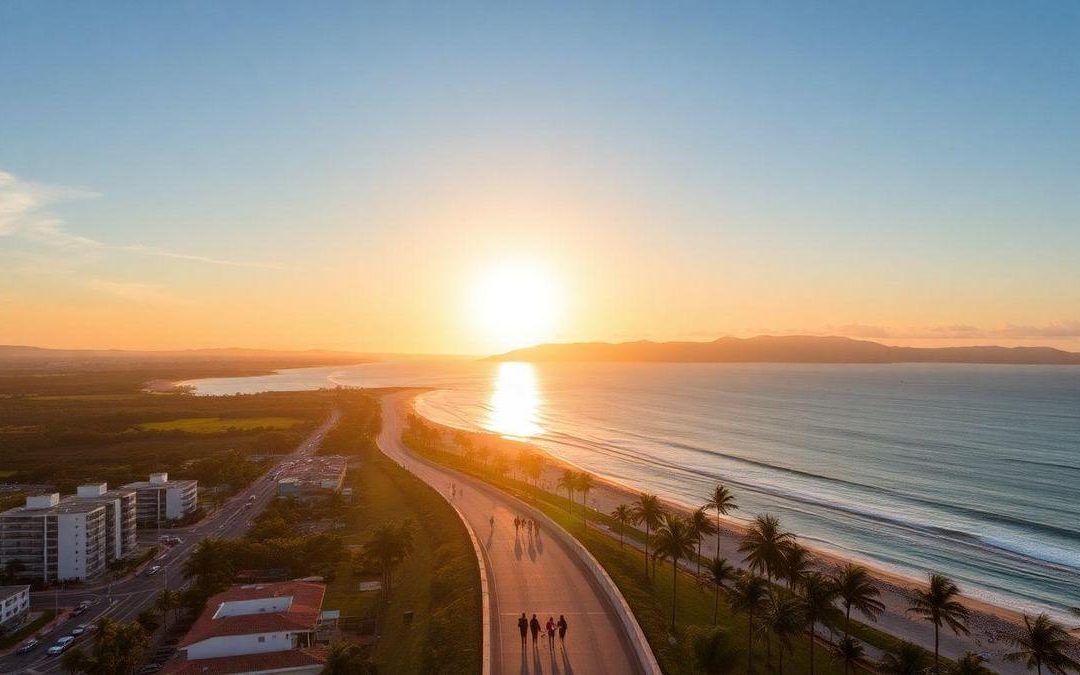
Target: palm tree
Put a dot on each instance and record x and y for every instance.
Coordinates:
(818, 595)
(849, 650)
(783, 618)
(674, 539)
(702, 527)
(971, 664)
(568, 482)
(908, 660)
(797, 563)
(647, 511)
(117, 648)
(720, 572)
(723, 501)
(622, 515)
(938, 604)
(856, 589)
(712, 650)
(389, 545)
(748, 596)
(765, 545)
(1042, 642)
(585, 483)
(166, 601)
(347, 658)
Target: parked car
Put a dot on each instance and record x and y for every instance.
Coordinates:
(79, 630)
(61, 645)
(83, 606)
(29, 645)
(153, 570)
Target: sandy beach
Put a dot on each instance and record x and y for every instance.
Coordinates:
(987, 621)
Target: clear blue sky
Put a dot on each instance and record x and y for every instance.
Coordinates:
(875, 153)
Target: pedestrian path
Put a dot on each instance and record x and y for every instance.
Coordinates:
(533, 573)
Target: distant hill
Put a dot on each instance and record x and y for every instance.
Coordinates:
(15, 358)
(786, 349)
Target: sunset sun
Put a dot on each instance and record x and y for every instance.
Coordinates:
(516, 305)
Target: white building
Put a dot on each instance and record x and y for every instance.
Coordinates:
(261, 628)
(14, 605)
(160, 500)
(120, 528)
(55, 540)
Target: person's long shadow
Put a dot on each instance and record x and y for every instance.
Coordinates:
(567, 668)
(554, 663)
(539, 543)
(517, 547)
(538, 665)
(524, 662)
(532, 549)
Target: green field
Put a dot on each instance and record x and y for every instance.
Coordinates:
(215, 425)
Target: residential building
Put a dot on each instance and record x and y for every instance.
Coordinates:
(14, 605)
(259, 628)
(159, 500)
(312, 478)
(120, 527)
(55, 540)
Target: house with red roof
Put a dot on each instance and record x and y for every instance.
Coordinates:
(258, 628)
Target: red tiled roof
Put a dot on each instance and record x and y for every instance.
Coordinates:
(302, 614)
(248, 663)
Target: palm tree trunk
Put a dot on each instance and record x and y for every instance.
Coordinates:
(937, 666)
(813, 633)
(717, 533)
(847, 620)
(750, 643)
(716, 605)
(780, 661)
(646, 550)
(698, 573)
(674, 588)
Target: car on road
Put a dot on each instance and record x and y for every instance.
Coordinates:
(153, 570)
(29, 645)
(83, 606)
(150, 668)
(61, 645)
(79, 630)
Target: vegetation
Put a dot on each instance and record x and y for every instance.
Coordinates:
(215, 425)
(119, 648)
(1043, 643)
(25, 630)
(939, 605)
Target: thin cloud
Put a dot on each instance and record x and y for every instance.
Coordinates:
(134, 291)
(24, 214)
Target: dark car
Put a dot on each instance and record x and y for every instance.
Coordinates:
(29, 645)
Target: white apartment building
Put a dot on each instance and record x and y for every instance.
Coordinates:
(55, 540)
(120, 532)
(159, 500)
(260, 628)
(14, 605)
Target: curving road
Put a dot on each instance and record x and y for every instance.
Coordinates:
(527, 573)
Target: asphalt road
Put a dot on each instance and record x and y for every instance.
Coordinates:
(124, 600)
(528, 572)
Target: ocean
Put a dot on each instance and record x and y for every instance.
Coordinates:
(969, 470)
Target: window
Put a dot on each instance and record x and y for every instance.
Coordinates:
(262, 638)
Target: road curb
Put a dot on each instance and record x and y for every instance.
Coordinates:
(485, 595)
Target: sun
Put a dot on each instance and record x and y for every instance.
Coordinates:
(516, 305)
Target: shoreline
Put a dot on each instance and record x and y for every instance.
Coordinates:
(987, 620)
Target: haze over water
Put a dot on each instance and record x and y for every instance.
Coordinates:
(970, 470)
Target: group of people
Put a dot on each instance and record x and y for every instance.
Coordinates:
(520, 523)
(526, 626)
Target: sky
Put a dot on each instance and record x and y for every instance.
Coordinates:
(352, 175)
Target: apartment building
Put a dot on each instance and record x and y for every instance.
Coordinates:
(259, 628)
(312, 478)
(55, 540)
(120, 527)
(14, 606)
(159, 500)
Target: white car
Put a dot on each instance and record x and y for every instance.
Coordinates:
(153, 570)
(79, 630)
(61, 645)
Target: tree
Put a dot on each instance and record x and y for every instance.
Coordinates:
(211, 562)
(1042, 642)
(166, 601)
(720, 573)
(676, 540)
(765, 545)
(783, 618)
(568, 482)
(534, 468)
(389, 545)
(724, 502)
(907, 660)
(938, 604)
(148, 620)
(347, 658)
(850, 651)
(797, 563)
(748, 596)
(856, 589)
(622, 515)
(118, 649)
(585, 483)
(818, 595)
(702, 527)
(712, 650)
(971, 664)
(647, 511)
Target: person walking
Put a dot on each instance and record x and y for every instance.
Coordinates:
(551, 633)
(523, 628)
(562, 630)
(534, 628)
(492, 521)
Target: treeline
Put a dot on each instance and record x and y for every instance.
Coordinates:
(358, 428)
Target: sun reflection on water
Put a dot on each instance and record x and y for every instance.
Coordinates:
(514, 401)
